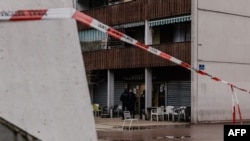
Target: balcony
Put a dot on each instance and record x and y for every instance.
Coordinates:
(138, 10)
(133, 57)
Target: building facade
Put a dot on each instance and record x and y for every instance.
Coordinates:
(178, 28)
(220, 31)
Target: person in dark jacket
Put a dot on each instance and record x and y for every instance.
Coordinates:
(142, 104)
(131, 103)
(124, 98)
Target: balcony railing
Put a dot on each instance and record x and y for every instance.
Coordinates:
(138, 10)
(133, 57)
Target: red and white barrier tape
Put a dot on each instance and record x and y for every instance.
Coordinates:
(62, 13)
(57, 13)
(233, 110)
(235, 101)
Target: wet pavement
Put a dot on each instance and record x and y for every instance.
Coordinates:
(111, 130)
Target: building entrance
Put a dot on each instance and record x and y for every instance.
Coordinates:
(137, 88)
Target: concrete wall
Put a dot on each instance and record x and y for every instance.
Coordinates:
(43, 87)
(221, 30)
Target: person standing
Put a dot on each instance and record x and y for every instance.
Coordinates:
(132, 100)
(124, 98)
(142, 104)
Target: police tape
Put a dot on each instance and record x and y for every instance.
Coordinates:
(235, 102)
(66, 13)
(45, 14)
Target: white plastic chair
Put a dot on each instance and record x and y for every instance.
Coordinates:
(169, 110)
(179, 112)
(127, 117)
(158, 112)
(118, 109)
(182, 113)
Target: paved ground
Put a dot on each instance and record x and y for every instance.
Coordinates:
(110, 129)
(115, 124)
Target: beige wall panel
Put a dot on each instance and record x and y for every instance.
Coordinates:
(220, 41)
(214, 98)
(238, 7)
(223, 38)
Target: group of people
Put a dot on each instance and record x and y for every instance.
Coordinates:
(128, 100)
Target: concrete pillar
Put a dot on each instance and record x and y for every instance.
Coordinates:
(148, 34)
(43, 87)
(148, 71)
(148, 88)
(194, 58)
(110, 89)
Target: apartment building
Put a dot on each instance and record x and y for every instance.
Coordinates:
(194, 31)
(113, 65)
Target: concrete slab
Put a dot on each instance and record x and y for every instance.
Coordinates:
(43, 87)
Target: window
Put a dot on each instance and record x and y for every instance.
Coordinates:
(179, 32)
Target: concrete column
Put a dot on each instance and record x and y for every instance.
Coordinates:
(110, 89)
(148, 34)
(148, 88)
(148, 72)
(194, 58)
